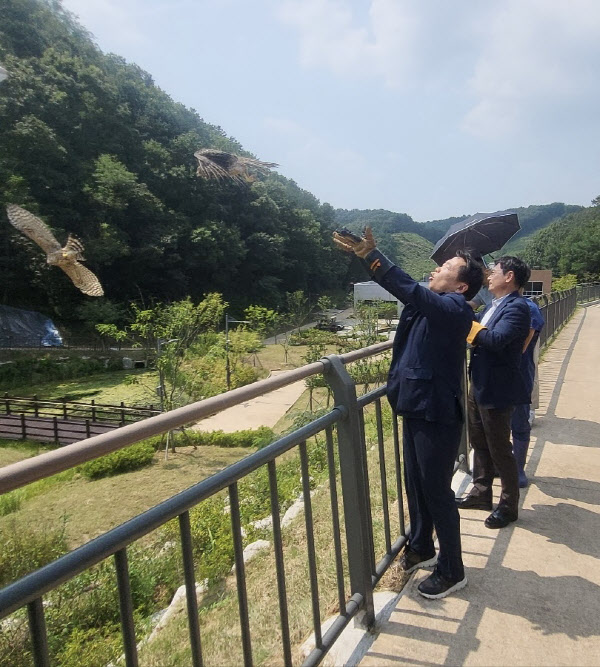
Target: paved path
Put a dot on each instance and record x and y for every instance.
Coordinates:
(266, 410)
(533, 596)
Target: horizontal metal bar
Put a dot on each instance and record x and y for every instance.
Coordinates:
(386, 561)
(64, 568)
(336, 629)
(365, 352)
(371, 396)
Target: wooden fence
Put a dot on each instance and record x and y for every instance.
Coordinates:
(63, 421)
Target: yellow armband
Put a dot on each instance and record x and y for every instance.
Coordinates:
(475, 329)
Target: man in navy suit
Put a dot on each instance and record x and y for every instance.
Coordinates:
(424, 387)
(497, 385)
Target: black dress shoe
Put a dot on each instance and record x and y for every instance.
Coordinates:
(473, 503)
(500, 517)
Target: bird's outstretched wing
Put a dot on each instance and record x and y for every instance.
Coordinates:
(82, 278)
(211, 164)
(258, 165)
(33, 227)
(220, 165)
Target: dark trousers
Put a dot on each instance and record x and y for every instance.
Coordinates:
(489, 430)
(430, 450)
(519, 425)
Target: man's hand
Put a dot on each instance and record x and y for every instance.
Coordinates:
(360, 248)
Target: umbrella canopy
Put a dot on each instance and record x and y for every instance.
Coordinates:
(482, 233)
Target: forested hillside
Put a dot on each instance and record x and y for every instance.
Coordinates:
(570, 245)
(385, 224)
(90, 144)
(412, 253)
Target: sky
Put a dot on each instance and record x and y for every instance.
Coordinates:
(426, 107)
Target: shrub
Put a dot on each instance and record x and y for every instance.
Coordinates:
(90, 647)
(10, 502)
(212, 541)
(314, 337)
(131, 458)
(24, 550)
(254, 438)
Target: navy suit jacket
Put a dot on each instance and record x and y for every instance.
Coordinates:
(496, 356)
(428, 359)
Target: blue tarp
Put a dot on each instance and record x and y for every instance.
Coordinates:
(26, 328)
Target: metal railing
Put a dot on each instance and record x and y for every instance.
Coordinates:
(588, 292)
(364, 566)
(557, 307)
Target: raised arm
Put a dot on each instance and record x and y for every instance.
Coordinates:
(395, 280)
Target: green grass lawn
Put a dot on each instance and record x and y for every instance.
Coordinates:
(137, 387)
(133, 387)
(93, 507)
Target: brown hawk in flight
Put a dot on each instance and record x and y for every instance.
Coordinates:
(67, 258)
(227, 166)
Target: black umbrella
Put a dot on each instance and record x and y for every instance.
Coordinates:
(482, 233)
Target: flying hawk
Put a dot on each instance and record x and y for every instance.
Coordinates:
(227, 166)
(67, 258)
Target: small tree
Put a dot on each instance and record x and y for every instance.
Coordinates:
(298, 308)
(387, 310)
(324, 303)
(367, 323)
(262, 320)
(315, 352)
(167, 332)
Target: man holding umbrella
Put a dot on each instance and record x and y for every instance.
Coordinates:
(424, 386)
(497, 385)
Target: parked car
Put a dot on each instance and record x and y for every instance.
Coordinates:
(328, 324)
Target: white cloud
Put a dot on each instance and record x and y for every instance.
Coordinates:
(331, 36)
(536, 57)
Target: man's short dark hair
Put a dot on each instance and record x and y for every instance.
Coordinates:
(517, 266)
(471, 273)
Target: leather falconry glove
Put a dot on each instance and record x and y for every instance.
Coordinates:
(366, 248)
(476, 327)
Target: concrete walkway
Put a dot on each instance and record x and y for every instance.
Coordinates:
(265, 410)
(533, 596)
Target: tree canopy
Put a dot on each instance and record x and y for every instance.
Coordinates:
(95, 148)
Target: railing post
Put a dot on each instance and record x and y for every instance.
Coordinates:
(463, 448)
(359, 531)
